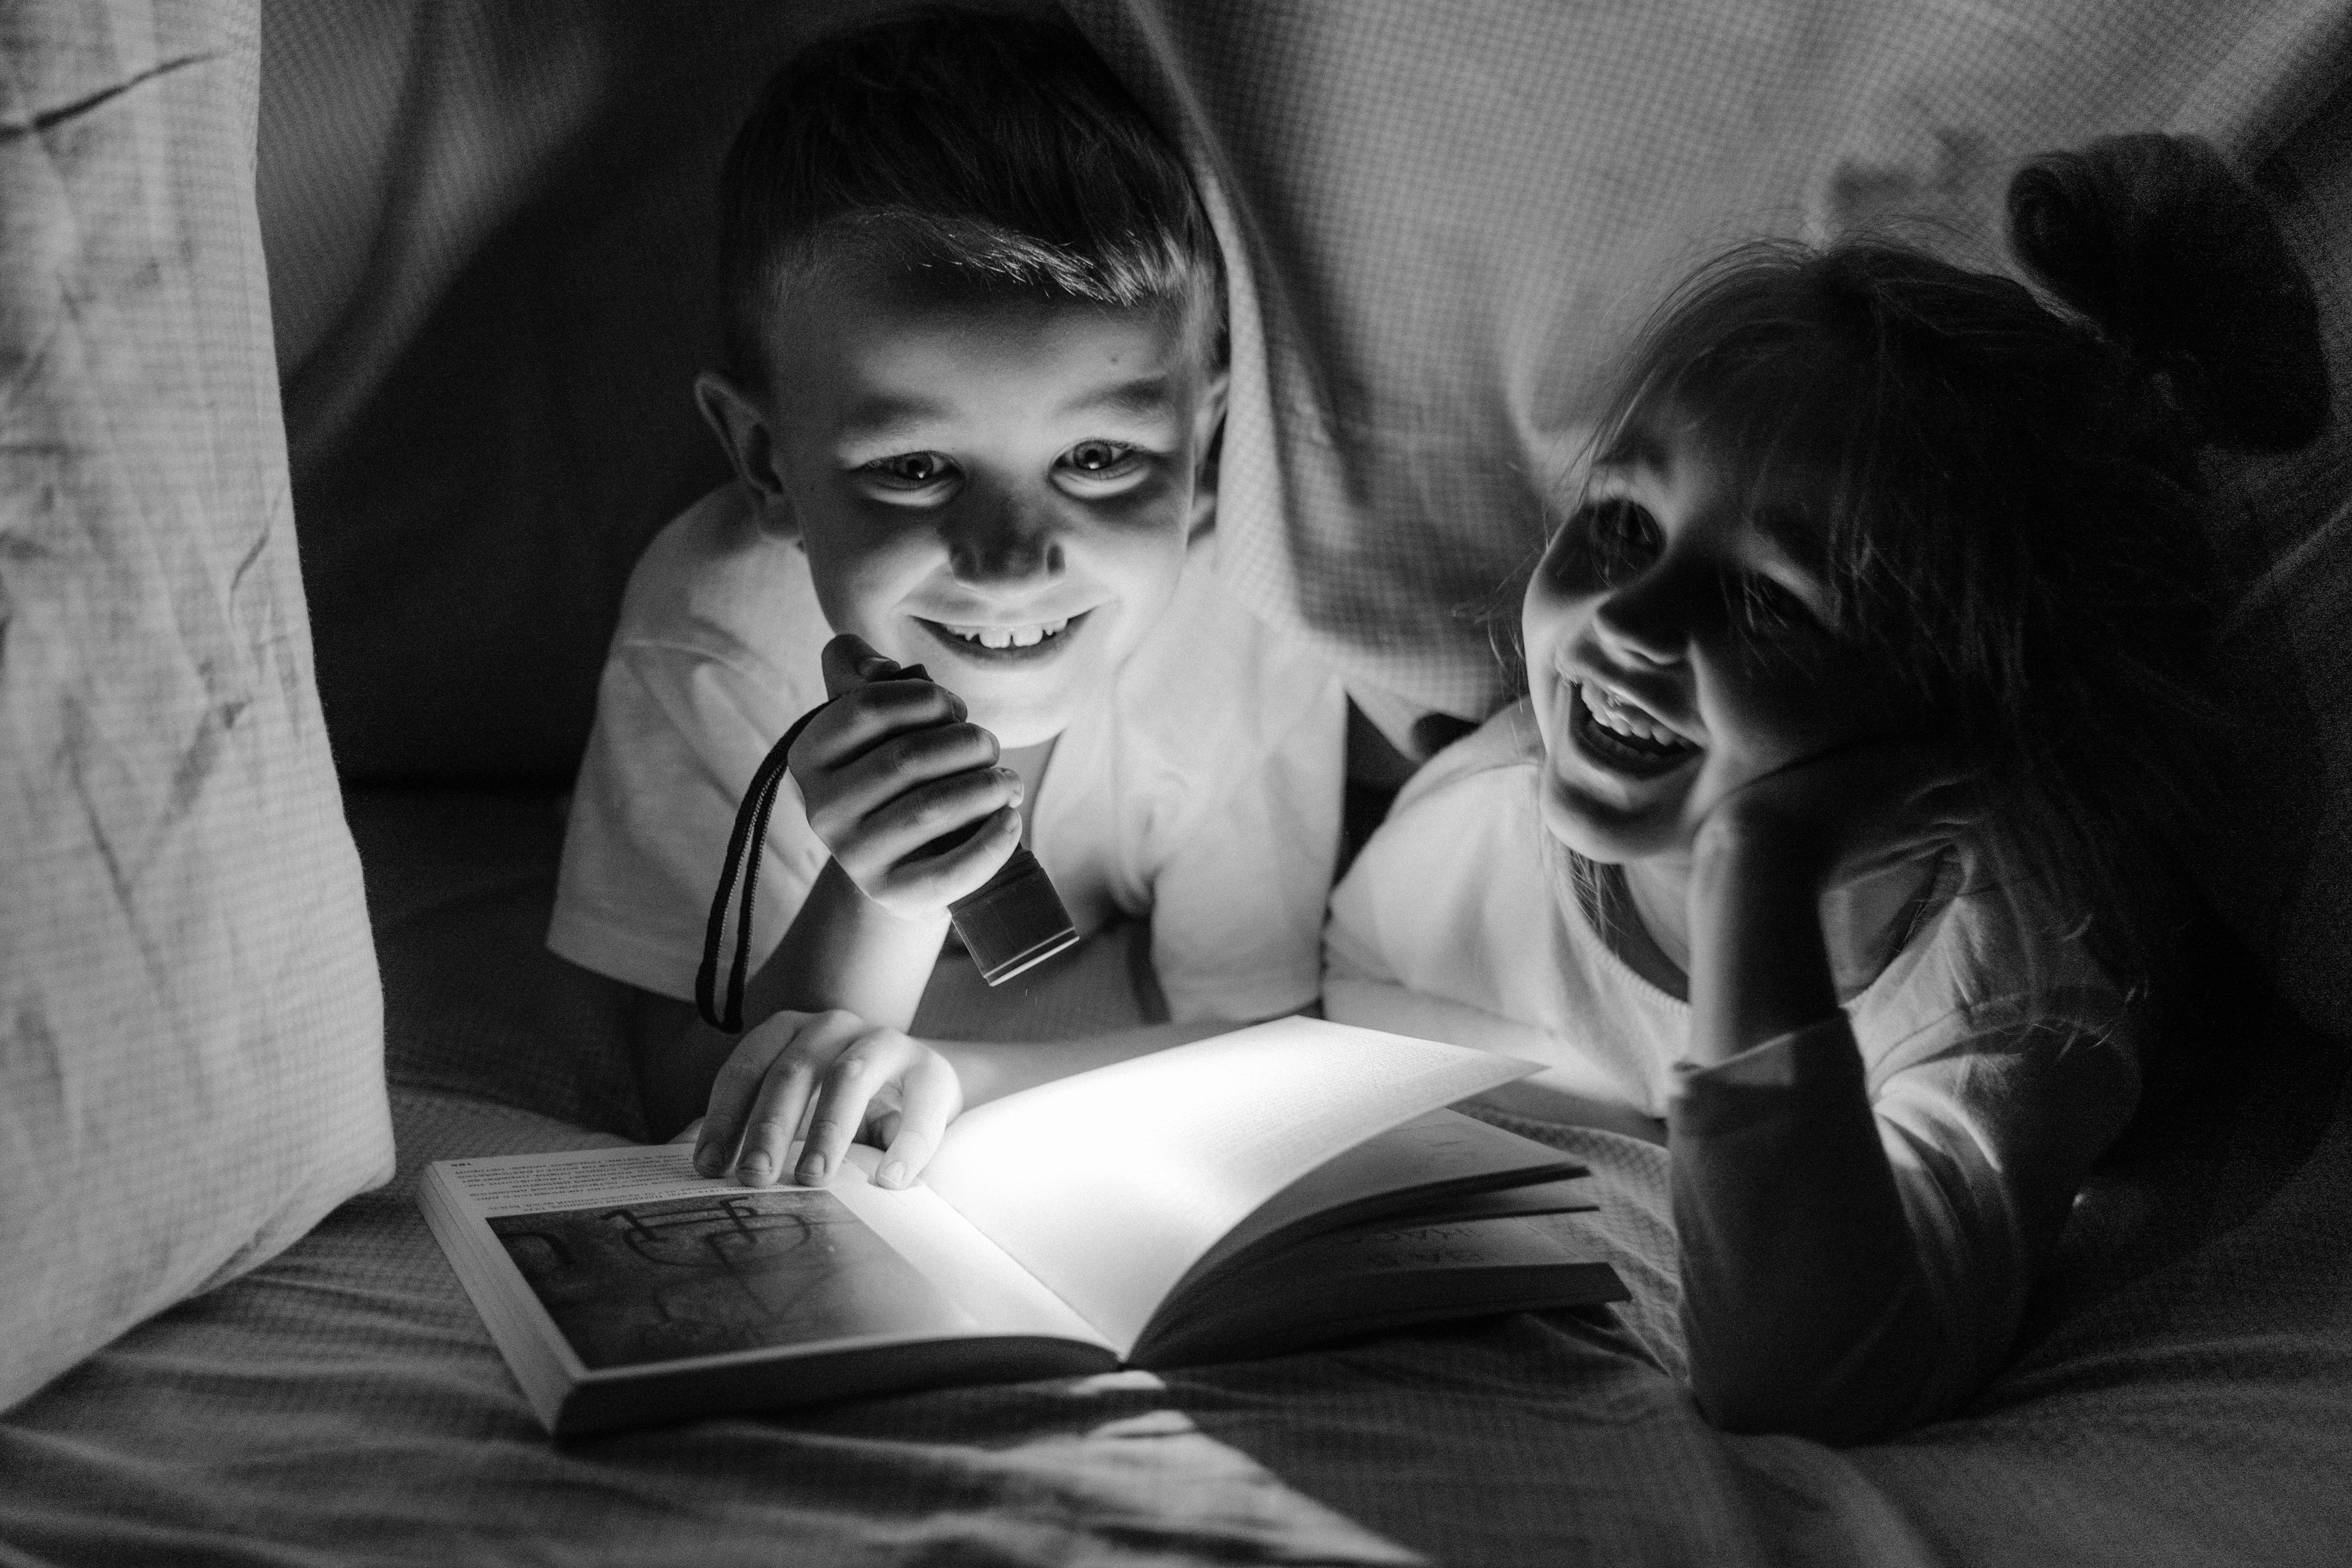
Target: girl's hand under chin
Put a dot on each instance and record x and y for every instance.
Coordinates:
(1805, 882)
(1845, 815)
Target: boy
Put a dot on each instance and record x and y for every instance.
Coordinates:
(974, 386)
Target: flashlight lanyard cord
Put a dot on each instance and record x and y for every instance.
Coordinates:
(752, 831)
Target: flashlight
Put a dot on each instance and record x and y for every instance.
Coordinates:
(1015, 920)
(1012, 923)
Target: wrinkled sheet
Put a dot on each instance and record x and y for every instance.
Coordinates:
(2185, 1394)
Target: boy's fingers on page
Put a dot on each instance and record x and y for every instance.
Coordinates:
(735, 1087)
(843, 1093)
(929, 1097)
(773, 1122)
(757, 1101)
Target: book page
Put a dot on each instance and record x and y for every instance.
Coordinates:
(1383, 1275)
(1002, 1297)
(637, 1258)
(637, 1261)
(1391, 1169)
(1107, 1186)
(579, 1178)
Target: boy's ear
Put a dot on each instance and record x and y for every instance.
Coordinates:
(741, 428)
(1209, 443)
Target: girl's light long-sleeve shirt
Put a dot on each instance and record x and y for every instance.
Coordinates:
(1861, 1205)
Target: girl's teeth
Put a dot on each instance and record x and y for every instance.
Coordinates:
(1608, 712)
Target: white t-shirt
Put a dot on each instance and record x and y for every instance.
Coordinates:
(1459, 922)
(1203, 791)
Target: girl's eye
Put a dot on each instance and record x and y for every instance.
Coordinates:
(1767, 610)
(1621, 535)
(1100, 460)
(909, 470)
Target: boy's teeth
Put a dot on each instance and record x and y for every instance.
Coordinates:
(1010, 636)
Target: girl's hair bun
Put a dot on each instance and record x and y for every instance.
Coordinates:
(2178, 262)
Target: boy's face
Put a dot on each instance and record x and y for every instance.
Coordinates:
(999, 489)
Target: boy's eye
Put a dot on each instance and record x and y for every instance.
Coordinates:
(1100, 460)
(1621, 537)
(909, 470)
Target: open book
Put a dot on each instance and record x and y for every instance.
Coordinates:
(1283, 1184)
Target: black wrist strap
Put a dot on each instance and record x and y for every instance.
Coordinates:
(751, 833)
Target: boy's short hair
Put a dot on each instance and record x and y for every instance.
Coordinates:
(972, 152)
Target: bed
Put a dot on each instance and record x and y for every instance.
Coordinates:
(2182, 1392)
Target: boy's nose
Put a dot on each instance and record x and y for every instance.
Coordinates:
(1001, 539)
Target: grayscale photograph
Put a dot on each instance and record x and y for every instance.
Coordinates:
(1063, 624)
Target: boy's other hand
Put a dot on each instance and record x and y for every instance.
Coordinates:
(889, 769)
(848, 1077)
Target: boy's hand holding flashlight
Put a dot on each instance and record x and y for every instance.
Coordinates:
(894, 777)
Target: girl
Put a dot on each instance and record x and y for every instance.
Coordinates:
(1862, 690)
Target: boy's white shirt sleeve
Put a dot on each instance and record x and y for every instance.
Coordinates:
(677, 741)
(683, 721)
(1235, 767)
(1237, 909)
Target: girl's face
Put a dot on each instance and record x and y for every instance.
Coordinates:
(1678, 648)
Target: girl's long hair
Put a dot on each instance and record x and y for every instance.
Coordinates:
(2007, 485)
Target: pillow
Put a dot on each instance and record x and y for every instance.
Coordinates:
(191, 1044)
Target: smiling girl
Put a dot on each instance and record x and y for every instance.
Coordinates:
(1862, 686)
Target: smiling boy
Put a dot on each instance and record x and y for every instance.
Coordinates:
(974, 390)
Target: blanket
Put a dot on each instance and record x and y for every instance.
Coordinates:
(2184, 1394)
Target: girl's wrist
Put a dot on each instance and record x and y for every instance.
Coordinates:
(1760, 960)
(1755, 847)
